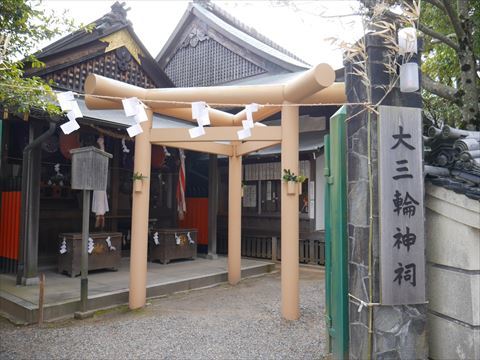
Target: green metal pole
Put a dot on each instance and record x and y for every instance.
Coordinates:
(339, 244)
(84, 261)
(328, 254)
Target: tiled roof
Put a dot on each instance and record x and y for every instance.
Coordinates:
(110, 23)
(452, 157)
(229, 19)
(235, 32)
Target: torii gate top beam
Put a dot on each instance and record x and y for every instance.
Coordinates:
(314, 85)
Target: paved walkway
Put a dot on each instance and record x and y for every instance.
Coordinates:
(224, 322)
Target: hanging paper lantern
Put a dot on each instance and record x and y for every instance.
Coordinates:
(69, 142)
(158, 156)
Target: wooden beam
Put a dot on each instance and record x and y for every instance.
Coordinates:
(224, 133)
(252, 146)
(205, 147)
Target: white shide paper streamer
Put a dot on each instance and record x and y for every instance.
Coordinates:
(91, 245)
(68, 103)
(134, 108)
(109, 244)
(247, 124)
(63, 246)
(125, 148)
(199, 113)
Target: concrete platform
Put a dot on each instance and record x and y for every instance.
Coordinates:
(109, 288)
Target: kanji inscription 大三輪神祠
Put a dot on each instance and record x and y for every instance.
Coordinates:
(402, 247)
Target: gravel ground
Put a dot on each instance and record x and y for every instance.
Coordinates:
(223, 322)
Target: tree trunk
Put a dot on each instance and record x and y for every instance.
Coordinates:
(468, 76)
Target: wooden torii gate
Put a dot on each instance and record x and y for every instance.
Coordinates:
(314, 86)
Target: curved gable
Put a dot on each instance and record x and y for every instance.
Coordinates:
(202, 59)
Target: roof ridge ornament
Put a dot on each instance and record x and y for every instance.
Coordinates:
(118, 15)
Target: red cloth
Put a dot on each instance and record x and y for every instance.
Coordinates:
(181, 204)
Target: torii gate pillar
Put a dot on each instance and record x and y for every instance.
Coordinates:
(234, 216)
(140, 208)
(289, 216)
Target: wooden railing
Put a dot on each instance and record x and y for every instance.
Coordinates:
(269, 247)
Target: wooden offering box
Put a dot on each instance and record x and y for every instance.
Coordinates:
(171, 244)
(102, 255)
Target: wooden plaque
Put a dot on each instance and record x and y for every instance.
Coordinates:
(401, 206)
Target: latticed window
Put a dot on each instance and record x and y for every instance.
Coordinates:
(107, 65)
(208, 63)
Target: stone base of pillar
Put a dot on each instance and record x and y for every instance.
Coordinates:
(30, 281)
(209, 256)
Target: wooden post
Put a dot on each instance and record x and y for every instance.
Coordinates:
(212, 206)
(274, 248)
(140, 209)
(234, 216)
(84, 259)
(115, 186)
(289, 217)
(41, 298)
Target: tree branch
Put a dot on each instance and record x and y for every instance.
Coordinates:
(454, 19)
(439, 89)
(438, 36)
(436, 3)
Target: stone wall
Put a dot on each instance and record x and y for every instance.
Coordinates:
(398, 332)
(453, 288)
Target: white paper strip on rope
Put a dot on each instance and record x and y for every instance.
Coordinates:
(67, 103)
(69, 127)
(141, 114)
(134, 107)
(249, 109)
(247, 124)
(65, 100)
(196, 132)
(130, 106)
(244, 133)
(76, 112)
(200, 113)
(134, 130)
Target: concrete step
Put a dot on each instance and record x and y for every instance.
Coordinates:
(20, 311)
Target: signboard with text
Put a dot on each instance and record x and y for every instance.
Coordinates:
(401, 208)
